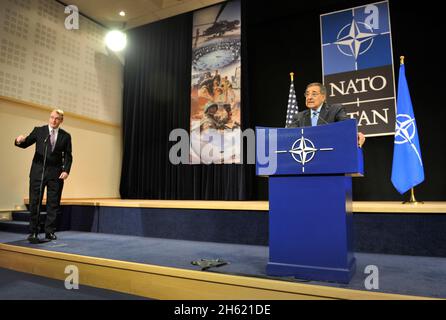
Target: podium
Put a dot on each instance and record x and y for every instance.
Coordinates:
(310, 172)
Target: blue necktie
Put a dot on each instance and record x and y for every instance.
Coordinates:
(314, 118)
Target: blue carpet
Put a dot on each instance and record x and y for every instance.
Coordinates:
(11, 236)
(422, 276)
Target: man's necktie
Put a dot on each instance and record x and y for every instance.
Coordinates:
(314, 118)
(52, 139)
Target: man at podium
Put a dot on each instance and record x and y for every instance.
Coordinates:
(309, 238)
(319, 112)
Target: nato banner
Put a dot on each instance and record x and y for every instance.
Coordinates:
(357, 65)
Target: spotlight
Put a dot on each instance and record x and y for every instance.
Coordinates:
(116, 40)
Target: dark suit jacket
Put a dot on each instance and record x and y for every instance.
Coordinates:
(57, 161)
(329, 113)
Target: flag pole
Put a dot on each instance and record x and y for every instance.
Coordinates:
(412, 199)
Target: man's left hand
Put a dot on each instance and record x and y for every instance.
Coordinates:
(63, 175)
(361, 139)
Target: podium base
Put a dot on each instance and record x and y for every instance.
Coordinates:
(310, 228)
(340, 275)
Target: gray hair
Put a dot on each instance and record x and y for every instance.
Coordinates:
(321, 87)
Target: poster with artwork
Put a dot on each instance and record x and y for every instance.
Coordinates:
(216, 85)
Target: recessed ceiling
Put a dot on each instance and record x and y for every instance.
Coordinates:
(137, 12)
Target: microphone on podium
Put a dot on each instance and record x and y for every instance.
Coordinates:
(319, 117)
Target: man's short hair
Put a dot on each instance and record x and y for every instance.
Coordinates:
(321, 87)
(59, 112)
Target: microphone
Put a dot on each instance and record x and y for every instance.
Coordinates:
(319, 113)
(319, 116)
(46, 138)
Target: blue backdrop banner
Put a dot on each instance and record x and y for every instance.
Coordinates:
(357, 65)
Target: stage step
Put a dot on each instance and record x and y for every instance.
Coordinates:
(24, 216)
(20, 222)
(14, 226)
(169, 283)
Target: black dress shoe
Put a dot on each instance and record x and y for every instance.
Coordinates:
(50, 236)
(33, 237)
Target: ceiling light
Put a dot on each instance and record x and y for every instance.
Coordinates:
(122, 13)
(116, 40)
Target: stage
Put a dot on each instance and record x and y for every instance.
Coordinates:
(110, 255)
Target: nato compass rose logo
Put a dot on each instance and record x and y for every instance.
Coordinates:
(405, 132)
(355, 39)
(303, 150)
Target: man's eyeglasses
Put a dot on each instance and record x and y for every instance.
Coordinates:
(313, 95)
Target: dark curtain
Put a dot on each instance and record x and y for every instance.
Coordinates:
(157, 80)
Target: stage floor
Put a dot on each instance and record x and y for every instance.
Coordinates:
(407, 275)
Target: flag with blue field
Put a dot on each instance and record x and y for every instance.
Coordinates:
(407, 168)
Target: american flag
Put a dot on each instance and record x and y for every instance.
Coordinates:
(292, 105)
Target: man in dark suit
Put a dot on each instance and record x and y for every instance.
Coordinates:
(319, 112)
(56, 144)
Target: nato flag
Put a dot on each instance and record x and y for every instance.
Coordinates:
(407, 168)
